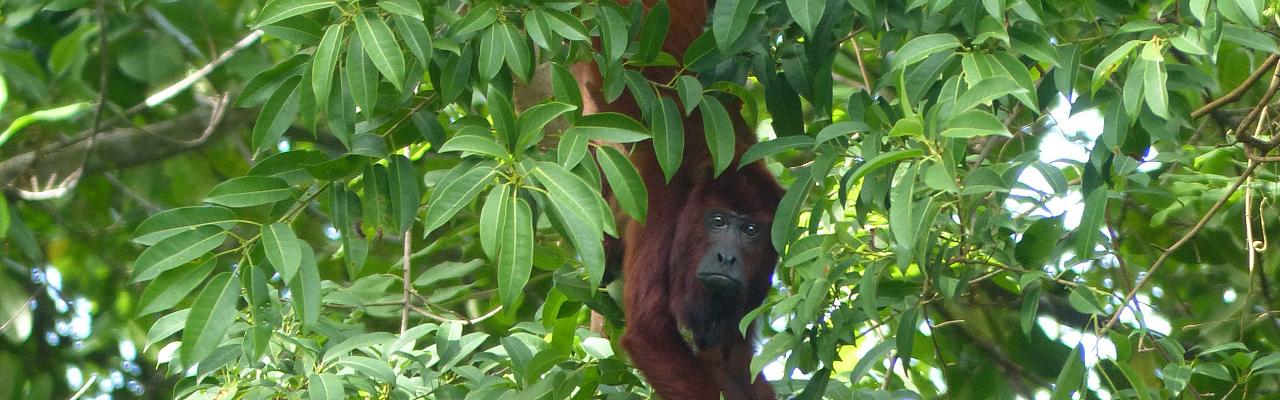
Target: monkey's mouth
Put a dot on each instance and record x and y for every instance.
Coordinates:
(719, 283)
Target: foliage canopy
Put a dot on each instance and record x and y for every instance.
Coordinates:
(395, 199)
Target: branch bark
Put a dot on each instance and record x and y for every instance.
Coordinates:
(125, 147)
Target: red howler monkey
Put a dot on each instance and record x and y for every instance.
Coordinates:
(702, 258)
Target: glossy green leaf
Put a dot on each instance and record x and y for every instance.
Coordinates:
(1087, 233)
(281, 246)
(177, 220)
(361, 77)
(475, 144)
(173, 286)
(451, 195)
(380, 44)
(406, 8)
(491, 214)
(518, 53)
(492, 52)
(325, 386)
(974, 123)
(807, 14)
(564, 24)
(984, 91)
(246, 191)
(1071, 376)
(690, 91)
(276, 10)
(514, 256)
(416, 37)
(305, 286)
(405, 194)
(1111, 63)
(922, 47)
(478, 17)
(176, 250)
(628, 187)
(571, 193)
(323, 64)
(668, 136)
(610, 127)
(653, 33)
(839, 129)
(764, 149)
(532, 121)
(280, 110)
(729, 21)
(719, 132)
(1157, 96)
(211, 316)
(881, 161)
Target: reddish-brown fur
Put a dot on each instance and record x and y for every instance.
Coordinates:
(662, 294)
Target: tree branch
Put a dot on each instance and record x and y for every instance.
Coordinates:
(1239, 90)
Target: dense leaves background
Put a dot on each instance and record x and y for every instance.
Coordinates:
(395, 199)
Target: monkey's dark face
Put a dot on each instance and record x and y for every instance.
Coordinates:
(736, 245)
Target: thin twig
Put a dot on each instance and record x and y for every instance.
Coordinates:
(862, 67)
(25, 306)
(1239, 90)
(404, 260)
(1176, 245)
(1242, 135)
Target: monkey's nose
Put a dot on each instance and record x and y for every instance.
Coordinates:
(726, 259)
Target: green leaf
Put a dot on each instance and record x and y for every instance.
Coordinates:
(565, 86)
(280, 110)
(774, 348)
(871, 359)
(568, 26)
(491, 215)
(1028, 312)
(481, 15)
(984, 91)
(1157, 96)
(1071, 376)
(1250, 38)
(325, 387)
(653, 33)
(1111, 63)
(974, 123)
(380, 44)
(1037, 243)
(492, 52)
(908, 127)
(173, 286)
(323, 64)
(775, 146)
(246, 191)
(1135, 380)
(839, 129)
(572, 148)
(176, 250)
(281, 246)
(610, 127)
(405, 194)
(406, 8)
(882, 160)
(172, 323)
(177, 220)
(690, 91)
(807, 14)
(569, 192)
(416, 37)
(531, 122)
(503, 114)
(668, 137)
(362, 77)
(305, 286)
(377, 370)
(451, 195)
(276, 10)
(1251, 10)
(1095, 211)
(514, 256)
(922, 47)
(475, 144)
(628, 187)
(719, 132)
(784, 220)
(519, 55)
(729, 21)
(211, 315)
(613, 31)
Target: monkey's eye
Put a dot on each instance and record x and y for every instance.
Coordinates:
(718, 221)
(750, 230)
